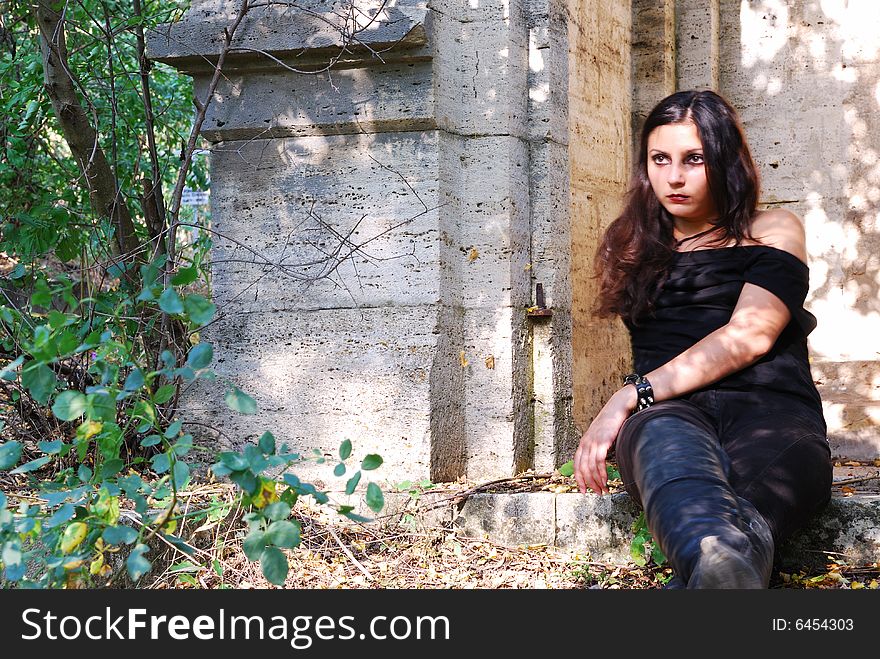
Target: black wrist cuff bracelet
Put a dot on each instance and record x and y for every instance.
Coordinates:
(644, 390)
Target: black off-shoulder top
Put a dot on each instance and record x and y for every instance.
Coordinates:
(699, 296)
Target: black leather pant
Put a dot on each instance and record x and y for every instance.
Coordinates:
(766, 448)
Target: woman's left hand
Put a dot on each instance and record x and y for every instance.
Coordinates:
(589, 459)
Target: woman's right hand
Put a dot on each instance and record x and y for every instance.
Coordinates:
(589, 459)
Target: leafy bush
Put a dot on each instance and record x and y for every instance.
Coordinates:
(103, 299)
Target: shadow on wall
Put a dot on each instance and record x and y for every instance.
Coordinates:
(805, 77)
(341, 248)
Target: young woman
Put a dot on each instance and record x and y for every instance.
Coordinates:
(720, 434)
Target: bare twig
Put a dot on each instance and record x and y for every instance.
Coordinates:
(348, 553)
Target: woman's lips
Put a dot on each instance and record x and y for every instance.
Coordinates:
(677, 198)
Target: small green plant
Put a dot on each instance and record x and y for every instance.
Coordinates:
(415, 491)
(271, 528)
(643, 548)
(117, 450)
(567, 470)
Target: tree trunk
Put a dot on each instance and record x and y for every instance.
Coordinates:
(78, 132)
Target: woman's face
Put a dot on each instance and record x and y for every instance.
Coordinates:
(678, 175)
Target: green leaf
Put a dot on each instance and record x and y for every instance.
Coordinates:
(134, 381)
(200, 356)
(185, 276)
(161, 463)
(11, 555)
(657, 554)
(375, 500)
(254, 544)
(170, 302)
(50, 448)
(101, 407)
(637, 553)
(256, 460)
(63, 514)
(110, 441)
(39, 381)
(10, 452)
(357, 518)
(144, 410)
(69, 405)
(339, 470)
(84, 473)
(181, 474)
(239, 401)
(612, 472)
(115, 535)
(277, 511)
(267, 443)
(111, 468)
(8, 372)
(372, 461)
(199, 309)
(67, 249)
(345, 450)
(163, 394)
(57, 319)
(67, 343)
(33, 465)
(168, 359)
(567, 469)
(352, 483)
(183, 446)
(273, 562)
(151, 440)
(136, 564)
(245, 480)
(284, 533)
(234, 461)
(174, 429)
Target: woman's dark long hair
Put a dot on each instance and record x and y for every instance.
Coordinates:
(638, 247)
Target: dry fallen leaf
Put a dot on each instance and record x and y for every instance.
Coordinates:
(462, 359)
(473, 255)
(490, 361)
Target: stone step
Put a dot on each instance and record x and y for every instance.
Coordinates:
(600, 527)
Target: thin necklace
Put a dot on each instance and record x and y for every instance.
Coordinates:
(679, 243)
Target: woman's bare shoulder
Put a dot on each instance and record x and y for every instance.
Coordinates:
(782, 229)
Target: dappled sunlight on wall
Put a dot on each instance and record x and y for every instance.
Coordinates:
(805, 78)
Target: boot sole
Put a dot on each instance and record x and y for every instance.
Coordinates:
(722, 567)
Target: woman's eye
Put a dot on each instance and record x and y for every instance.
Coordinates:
(696, 159)
(659, 159)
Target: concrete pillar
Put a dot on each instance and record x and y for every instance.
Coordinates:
(697, 30)
(653, 57)
(425, 157)
(600, 112)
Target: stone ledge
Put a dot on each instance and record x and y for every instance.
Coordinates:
(849, 528)
(193, 43)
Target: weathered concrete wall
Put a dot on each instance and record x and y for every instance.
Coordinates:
(438, 159)
(599, 138)
(805, 78)
(483, 154)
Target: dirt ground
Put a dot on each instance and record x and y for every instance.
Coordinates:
(409, 553)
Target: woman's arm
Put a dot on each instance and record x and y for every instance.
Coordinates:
(755, 324)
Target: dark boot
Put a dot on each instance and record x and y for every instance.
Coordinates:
(712, 537)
